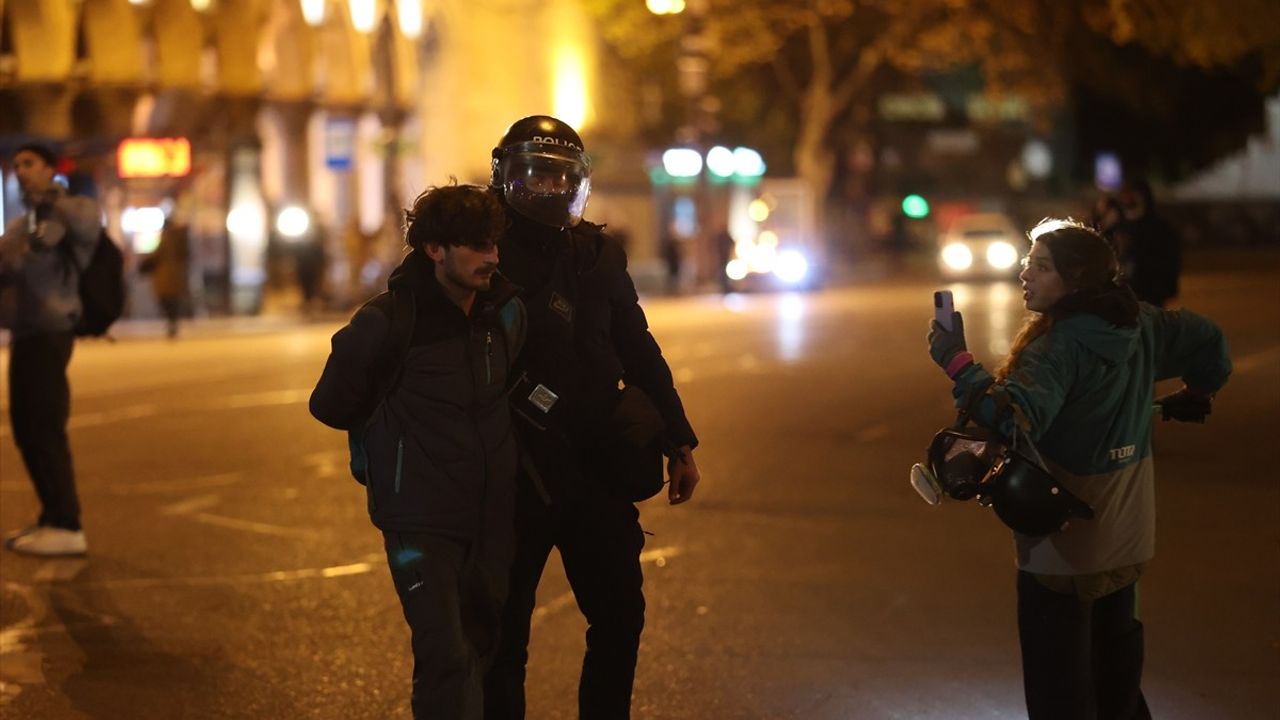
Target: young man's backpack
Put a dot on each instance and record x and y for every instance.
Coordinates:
(101, 287)
(391, 356)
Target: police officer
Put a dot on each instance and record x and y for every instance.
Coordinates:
(589, 448)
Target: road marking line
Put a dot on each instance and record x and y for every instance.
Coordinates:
(368, 564)
(264, 399)
(155, 487)
(184, 485)
(195, 504)
(873, 433)
(257, 527)
(270, 398)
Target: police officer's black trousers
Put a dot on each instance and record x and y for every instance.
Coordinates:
(453, 605)
(1081, 659)
(600, 540)
(39, 405)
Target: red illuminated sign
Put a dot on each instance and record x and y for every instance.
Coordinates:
(154, 157)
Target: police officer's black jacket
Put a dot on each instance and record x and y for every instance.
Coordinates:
(441, 453)
(587, 331)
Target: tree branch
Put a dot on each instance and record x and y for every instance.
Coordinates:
(786, 78)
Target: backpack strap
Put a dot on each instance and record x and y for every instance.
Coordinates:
(389, 363)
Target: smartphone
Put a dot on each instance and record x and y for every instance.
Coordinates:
(943, 305)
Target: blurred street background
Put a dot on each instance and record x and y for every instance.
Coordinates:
(791, 179)
(234, 574)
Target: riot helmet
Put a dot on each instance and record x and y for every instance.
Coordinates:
(1027, 498)
(542, 170)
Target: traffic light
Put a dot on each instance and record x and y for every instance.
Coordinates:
(915, 206)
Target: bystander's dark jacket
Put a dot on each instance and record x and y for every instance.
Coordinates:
(40, 272)
(587, 335)
(1151, 255)
(441, 453)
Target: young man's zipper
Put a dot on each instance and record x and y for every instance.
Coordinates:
(488, 357)
(399, 462)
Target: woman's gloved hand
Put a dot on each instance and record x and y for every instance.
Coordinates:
(947, 347)
(1185, 405)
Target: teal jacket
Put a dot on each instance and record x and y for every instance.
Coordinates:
(1085, 390)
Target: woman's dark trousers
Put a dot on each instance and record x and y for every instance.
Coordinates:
(1081, 659)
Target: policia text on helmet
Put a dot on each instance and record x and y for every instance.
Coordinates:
(542, 171)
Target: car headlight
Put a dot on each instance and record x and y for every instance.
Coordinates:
(792, 267)
(957, 256)
(1001, 255)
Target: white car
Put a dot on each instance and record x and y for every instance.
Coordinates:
(982, 245)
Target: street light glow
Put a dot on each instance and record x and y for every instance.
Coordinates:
(364, 15)
(758, 210)
(665, 7)
(570, 85)
(736, 269)
(682, 162)
(142, 220)
(720, 161)
(410, 14)
(293, 222)
(313, 12)
(747, 162)
(792, 267)
(915, 206)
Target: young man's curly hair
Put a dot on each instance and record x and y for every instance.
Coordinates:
(452, 215)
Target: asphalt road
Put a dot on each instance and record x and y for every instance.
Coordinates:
(233, 572)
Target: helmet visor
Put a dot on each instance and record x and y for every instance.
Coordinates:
(549, 185)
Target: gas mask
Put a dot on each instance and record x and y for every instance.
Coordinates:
(1009, 478)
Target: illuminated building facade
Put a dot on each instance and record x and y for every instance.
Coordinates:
(232, 112)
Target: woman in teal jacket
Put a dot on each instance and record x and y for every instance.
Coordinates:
(1079, 380)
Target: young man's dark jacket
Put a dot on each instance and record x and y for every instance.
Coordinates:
(587, 333)
(441, 453)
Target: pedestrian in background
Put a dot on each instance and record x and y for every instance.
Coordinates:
(724, 246)
(1151, 257)
(1079, 381)
(41, 256)
(419, 378)
(590, 449)
(168, 267)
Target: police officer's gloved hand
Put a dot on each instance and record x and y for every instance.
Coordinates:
(947, 347)
(1185, 405)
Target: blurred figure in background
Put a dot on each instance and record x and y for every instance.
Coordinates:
(168, 267)
(669, 246)
(724, 244)
(310, 259)
(1151, 253)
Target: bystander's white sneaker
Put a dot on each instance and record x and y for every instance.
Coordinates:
(49, 542)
